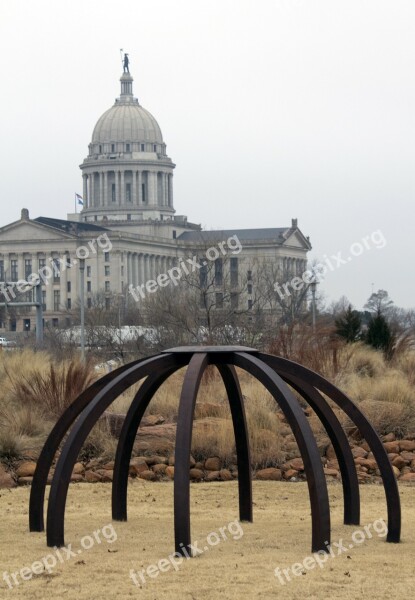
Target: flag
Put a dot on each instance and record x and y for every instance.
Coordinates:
(79, 199)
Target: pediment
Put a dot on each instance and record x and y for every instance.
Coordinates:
(295, 239)
(26, 231)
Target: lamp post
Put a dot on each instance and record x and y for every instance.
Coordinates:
(313, 286)
(82, 302)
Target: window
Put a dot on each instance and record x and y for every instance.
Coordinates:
(100, 149)
(128, 217)
(113, 197)
(27, 268)
(106, 256)
(142, 148)
(218, 271)
(55, 322)
(203, 275)
(68, 286)
(68, 304)
(234, 272)
(249, 275)
(88, 271)
(56, 299)
(89, 302)
(128, 192)
(249, 304)
(127, 147)
(88, 286)
(249, 288)
(219, 300)
(43, 299)
(107, 286)
(122, 271)
(144, 193)
(112, 147)
(154, 148)
(42, 263)
(56, 270)
(107, 271)
(1, 270)
(107, 303)
(234, 300)
(14, 275)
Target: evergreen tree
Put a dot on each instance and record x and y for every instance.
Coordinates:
(379, 334)
(349, 324)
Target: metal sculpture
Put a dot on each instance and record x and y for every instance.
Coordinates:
(276, 374)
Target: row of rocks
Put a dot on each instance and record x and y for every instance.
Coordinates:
(401, 454)
(157, 467)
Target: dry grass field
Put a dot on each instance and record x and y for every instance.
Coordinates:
(242, 566)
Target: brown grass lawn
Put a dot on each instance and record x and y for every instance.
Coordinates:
(235, 568)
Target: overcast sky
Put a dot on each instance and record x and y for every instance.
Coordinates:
(271, 109)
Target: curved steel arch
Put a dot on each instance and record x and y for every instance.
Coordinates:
(367, 431)
(79, 433)
(53, 441)
(350, 482)
(274, 373)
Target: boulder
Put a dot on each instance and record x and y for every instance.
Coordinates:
(79, 469)
(297, 464)
(359, 452)
(92, 476)
(408, 477)
(331, 472)
(77, 477)
(212, 476)
(392, 447)
(106, 474)
(269, 474)
(170, 472)
(289, 474)
(213, 463)
(196, 474)
(160, 469)
(26, 469)
(25, 480)
(408, 445)
(389, 437)
(158, 439)
(138, 465)
(147, 475)
(399, 462)
(370, 464)
(225, 475)
(155, 460)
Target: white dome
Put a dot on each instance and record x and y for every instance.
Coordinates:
(127, 122)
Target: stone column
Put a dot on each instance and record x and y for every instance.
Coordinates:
(170, 190)
(140, 188)
(92, 190)
(122, 194)
(85, 192)
(106, 188)
(117, 187)
(141, 269)
(152, 188)
(134, 199)
(101, 189)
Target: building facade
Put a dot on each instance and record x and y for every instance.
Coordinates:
(128, 232)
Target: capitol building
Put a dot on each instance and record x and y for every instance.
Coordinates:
(127, 231)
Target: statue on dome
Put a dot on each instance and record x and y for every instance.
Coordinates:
(126, 63)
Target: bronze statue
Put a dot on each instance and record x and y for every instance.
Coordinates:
(126, 63)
